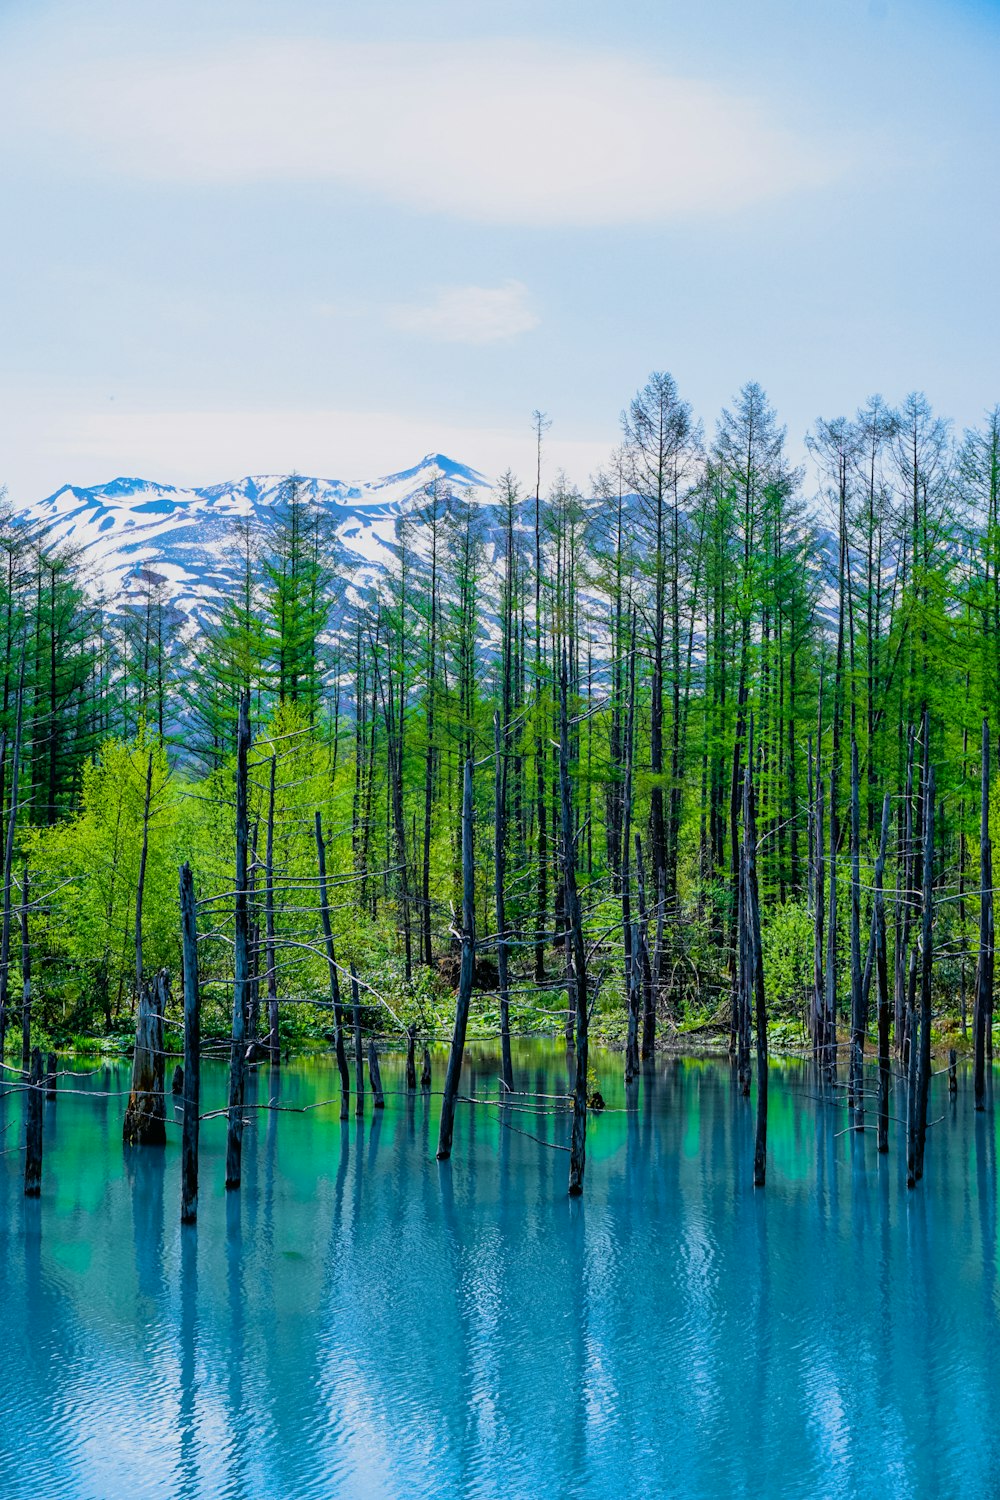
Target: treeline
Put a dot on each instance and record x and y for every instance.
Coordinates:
(708, 611)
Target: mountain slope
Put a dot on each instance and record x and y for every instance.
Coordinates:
(132, 532)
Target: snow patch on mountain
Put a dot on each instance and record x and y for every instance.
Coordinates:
(131, 533)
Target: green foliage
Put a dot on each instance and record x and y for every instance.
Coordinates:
(787, 942)
(88, 869)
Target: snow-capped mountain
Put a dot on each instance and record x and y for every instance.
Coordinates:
(130, 533)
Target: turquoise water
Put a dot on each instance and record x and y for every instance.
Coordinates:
(362, 1320)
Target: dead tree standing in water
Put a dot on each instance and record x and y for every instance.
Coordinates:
(630, 931)
(819, 916)
(919, 1036)
(857, 1058)
(25, 975)
(192, 1050)
(466, 974)
(375, 1075)
(273, 1039)
(499, 846)
(983, 1019)
(331, 960)
(359, 1055)
(8, 866)
(145, 1116)
(926, 962)
(241, 985)
(33, 1133)
(882, 980)
(577, 954)
(753, 987)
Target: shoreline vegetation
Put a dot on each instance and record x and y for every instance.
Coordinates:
(697, 747)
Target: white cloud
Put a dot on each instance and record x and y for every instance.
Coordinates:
(467, 314)
(501, 132)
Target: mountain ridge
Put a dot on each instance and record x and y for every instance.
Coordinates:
(129, 529)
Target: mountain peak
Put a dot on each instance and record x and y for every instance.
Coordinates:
(131, 530)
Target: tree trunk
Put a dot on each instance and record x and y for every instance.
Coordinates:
(499, 847)
(241, 985)
(141, 882)
(466, 974)
(926, 962)
(983, 1017)
(9, 865)
(25, 975)
(882, 979)
(273, 1038)
(331, 961)
(578, 956)
(33, 1132)
(375, 1075)
(359, 1056)
(192, 1049)
(145, 1116)
(755, 979)
(856, 1089)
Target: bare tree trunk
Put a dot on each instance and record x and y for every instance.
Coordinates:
(375, 1075)
(819, 917)
(411, 1059)
(754, 986)
(830, 996)
(630, 931)
(273, 1038)
(984, 973)
(648, 1012)
(882, 979)
(903, 913)
(926, 960)
(856, 1085)
(145, 1116)
(33, 1133)
(578, 955)
(466, 973)
(8, 865)
(359, 1056)
(499, 847)
(192, 1049)
(241, 985)
(25, 974)
(141, 882)
(331, 960)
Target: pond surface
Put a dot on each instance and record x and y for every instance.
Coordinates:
(361, 1320)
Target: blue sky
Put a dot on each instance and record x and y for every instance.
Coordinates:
(243, 237)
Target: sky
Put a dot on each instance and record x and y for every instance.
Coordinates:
(241, 237)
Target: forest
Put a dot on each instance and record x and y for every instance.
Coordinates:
(711, 649)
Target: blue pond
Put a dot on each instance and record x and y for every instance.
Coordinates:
(361, 1320)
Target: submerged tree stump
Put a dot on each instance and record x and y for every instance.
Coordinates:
(33, 1133)
(375, 1075)
(411, 1059)
(145, 1117)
